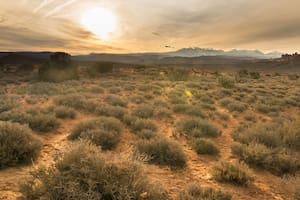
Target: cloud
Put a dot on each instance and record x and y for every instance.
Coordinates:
(70, 38)
(43, 4)
(60, 7)
(151, 25)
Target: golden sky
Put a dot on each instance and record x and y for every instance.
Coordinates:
(149, 25)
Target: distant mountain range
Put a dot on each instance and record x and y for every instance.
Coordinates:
(196, 52)
(181, 56)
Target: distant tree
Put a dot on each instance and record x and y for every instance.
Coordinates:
(59, 68)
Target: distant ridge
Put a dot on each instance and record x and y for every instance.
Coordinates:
(182, 56)
(196, 52)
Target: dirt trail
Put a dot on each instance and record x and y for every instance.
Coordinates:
(53, 143)
(198, 168)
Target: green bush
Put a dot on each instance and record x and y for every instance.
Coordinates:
(232, 105)
(163, 152)
(195, 192)
(18, 145)
(178, 74)
(293, 77)
(8, 102)
(115, 101)
(190, 110)
(63, 112)
(110, 111)
(143, 111)
(14, 116)
(138, 99)
(266, 109)
(258, 155)
(96, 90)
(43, 122)
(226, 82)
(40, 120)
(129, 120)
(103, 131)
(59, 68)
(235, 173)
(195, 127)
(290, 133)
(254, 75)
(85, 173)
(147, 134)
(163, 113)
(143, 124)
(100, 68)
(261, 133)
(202, 146)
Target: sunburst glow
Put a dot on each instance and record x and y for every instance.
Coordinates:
(100, 21)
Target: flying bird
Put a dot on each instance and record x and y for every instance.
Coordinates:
(169, 47)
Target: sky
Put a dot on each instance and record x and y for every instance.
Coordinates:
(150, 25)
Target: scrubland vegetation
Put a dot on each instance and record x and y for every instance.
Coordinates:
(147, 133)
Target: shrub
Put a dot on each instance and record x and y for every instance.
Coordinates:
(106, 139)
(195, 127)
(175, 99)
(143, 111)
(114, 90)
(263, 108)
(115, 101)
(293, 77)
(163, 152)
(178, 74)
(254, 75)
(96, 90)
(290, 133)
(202, 146)
(8, 103)
(250, 117)
(190, 110)
(163, 113)
(110, 111)
(233, 105)
(43, 122)
(60, 68)
(46, 88)
(243, 73)
(138, 99)
(141, 124)
(258, 155)
(129, 120)
(261, 133)
(63, 112)
(76, 101)
(100, 68)
(14, 116)
(103, 131)
(18, 145)
(147, 134)
(27, 67)
(195, 192)
(236, 173)
(85, 173)
(226, 82)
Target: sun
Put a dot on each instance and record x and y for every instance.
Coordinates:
(100, 21)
